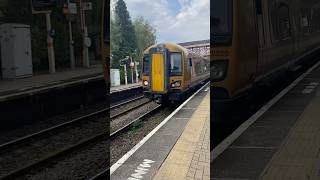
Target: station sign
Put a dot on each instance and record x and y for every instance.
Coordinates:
(87, 6)
(43, 5)
(131, 65)
(72, 8)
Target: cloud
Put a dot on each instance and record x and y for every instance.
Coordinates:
(182, 21)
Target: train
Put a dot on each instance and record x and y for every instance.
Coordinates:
(170, 71)
(105, 41)
(253, 41)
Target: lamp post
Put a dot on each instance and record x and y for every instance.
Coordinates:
(136, 69)
(124, 62)
(71, 48)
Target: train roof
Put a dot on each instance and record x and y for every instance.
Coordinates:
(170, 46)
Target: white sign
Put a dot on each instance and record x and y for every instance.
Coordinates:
(87, 6)
(72, 8)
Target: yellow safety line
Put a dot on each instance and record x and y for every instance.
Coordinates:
(190, 156)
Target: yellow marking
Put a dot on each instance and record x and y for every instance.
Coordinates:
(183, 162)
(157, 72)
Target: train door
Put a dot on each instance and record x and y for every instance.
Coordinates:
(189, 71)
(105, 40)
(158, 72)
(261, 40)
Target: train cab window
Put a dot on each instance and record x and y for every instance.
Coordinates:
(146, 65)
(175, 64)
(221, 20)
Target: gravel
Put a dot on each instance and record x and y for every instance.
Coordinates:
(126, 141)
(121, 121)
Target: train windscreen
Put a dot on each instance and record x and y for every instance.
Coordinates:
(221, 21)
(176, 64)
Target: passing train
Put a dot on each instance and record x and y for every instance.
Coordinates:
(255, 40)
(169, 71)
(105, 41)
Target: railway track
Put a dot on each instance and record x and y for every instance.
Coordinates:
(105, 173)
(129, 124)
(22, 143)
(125, 102)
(125, 107)
(27, 145)
(102, 112)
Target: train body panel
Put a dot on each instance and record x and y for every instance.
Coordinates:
(105, 42)
(253, 39)
(169, 71)
(158, 74)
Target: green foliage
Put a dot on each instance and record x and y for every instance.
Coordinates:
(129, 38)
(115, 36)
(145, 35)
(136, 125)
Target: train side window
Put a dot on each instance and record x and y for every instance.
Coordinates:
(146, 65)
(198, 68)
(310, 16)
(280, 17)
(190, 62)
(284, 21)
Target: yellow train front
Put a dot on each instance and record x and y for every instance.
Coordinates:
(170, 71)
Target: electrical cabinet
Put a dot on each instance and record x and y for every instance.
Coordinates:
(16, 55)
(115, 77)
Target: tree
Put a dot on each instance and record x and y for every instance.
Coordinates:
(145, 35)
(114, 40)
(127, 38)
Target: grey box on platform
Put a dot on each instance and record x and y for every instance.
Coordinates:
(16, 55)
(115, 77)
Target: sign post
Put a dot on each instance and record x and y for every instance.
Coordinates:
(51, 56)
(70, 9)
(136, 69)
(44, 8)
(84, 29)
(132, 69)
(124, 63)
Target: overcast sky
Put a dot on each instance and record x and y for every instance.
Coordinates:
(174, 20)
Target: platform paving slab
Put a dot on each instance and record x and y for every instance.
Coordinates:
(282, 144)
(146, 161)
(190, 156)
(15, 86)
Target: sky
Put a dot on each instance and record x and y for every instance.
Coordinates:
(174, 20)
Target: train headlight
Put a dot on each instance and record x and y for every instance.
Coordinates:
(218, 70)
(176, 84)
(145, 82)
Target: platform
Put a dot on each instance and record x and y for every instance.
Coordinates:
(115, 89)
(18, 87)
(181, 141)
(281, 141)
